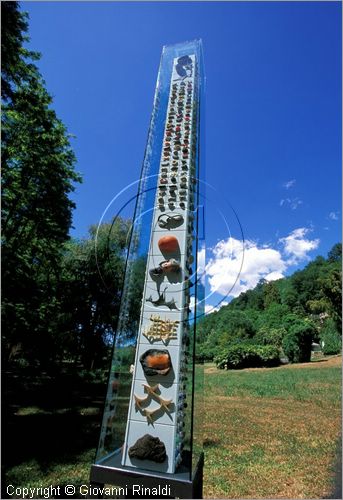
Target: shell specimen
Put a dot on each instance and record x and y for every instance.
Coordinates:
(156, 362)
(166, 221)
(166, 267)
(148, 448)
(168, 244)
(160, 329)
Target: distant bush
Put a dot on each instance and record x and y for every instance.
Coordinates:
(245, 355)
(330, 338)
(298, 341)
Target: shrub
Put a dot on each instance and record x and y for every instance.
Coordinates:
(245, 355)
(330, 338)
(297, 342)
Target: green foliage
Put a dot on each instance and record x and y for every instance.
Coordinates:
(273, 316)
(14, 65)
(38, 176)
(330, 338)
(90, 289)
(271, 336)
(271, 294)
(220, 329)
(335, 254)
(245, 355)
(297, 342)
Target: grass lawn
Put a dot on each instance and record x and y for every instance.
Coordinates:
(272, 433)
(269, 433)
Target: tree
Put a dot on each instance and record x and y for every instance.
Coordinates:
(297, 342)
(331, 339)
(271, 294)
(90, 291)
(271, 336)
(14, 68)
(37, 178)
(335, 254)
(328, 299)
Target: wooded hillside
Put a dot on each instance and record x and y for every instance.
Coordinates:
(279, 318)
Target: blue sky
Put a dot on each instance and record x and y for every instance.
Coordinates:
(273, 116)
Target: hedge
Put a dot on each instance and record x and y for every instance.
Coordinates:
(248, 356)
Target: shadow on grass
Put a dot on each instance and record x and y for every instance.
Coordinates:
(337, 473)
(49, 438)
(49, 419)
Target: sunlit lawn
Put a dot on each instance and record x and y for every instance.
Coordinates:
(272, 433)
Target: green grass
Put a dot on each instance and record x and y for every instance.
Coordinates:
(272, 433)
(319, 385)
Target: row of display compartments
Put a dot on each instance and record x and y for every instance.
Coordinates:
(163, 208)
(177, 180)
(180, 180)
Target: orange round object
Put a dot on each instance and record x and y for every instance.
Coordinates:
(158, 361)
(168, 244)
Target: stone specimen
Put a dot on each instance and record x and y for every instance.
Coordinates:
(168, 244)
(148, 448)
(156, 362)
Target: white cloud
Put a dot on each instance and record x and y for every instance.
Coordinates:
(293, 203)
(289, 184)
(210, 309)
(232, 262)
(296, 246)
(333, 215)
(275, 275)
(236, 267)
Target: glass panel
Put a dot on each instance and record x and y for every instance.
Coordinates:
(172, 158)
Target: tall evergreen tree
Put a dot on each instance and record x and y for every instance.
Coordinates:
(38, 175)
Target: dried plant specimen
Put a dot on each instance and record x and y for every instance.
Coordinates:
(160, 329)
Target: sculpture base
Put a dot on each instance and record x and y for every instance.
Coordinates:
(136, 483)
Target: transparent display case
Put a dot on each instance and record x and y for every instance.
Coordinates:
(152, 417)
